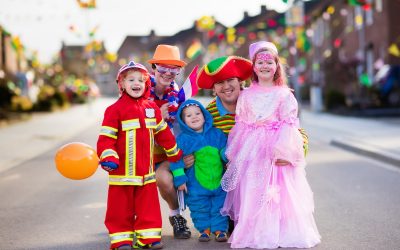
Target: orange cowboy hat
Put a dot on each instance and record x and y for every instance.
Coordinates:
(167, 54)
(223, 68)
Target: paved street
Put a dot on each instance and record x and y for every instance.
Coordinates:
(356, 197)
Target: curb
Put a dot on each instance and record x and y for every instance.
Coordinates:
(366, 150)
(45, 132)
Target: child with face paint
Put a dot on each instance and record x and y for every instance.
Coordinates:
(271, 204)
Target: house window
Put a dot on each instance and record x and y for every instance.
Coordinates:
(369, 15)
(318, 37)
(378, 5)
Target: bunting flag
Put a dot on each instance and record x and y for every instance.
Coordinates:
(189, 87)
(357, 2)
(194, 50)
(92, 32)
(205, 23)
(303, 42)
(365, 80)
(89, 4)
(16, 43)
(230, 35)
(111, 57)
(394, 50)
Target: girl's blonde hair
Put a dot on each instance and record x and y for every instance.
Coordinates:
(280, 77)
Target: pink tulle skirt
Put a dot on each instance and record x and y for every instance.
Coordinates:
(271, 206)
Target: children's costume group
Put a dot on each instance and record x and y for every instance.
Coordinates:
(237, 172)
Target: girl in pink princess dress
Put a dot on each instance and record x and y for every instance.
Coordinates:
(268, 196)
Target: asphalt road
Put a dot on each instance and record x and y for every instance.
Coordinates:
(357, 204)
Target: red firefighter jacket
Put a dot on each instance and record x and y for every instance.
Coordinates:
(129, 130)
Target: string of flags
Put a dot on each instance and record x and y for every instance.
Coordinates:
(89, 4)
(194, 50)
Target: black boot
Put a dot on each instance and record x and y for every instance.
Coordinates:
(231, 225)
(181, 231)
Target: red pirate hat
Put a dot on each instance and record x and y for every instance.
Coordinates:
(223, 68)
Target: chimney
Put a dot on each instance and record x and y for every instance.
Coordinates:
(245, 15)
(152, 33)
(263, 9)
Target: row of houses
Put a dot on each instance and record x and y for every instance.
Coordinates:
(13, 64)
(27, 85)
(337, 51)
(12, 57)
(351, 44)
(344, 54)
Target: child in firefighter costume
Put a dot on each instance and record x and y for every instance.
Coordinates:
(202, 182)
(130, 127)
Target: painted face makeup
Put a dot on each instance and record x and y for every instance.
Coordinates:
(265, 65)
(265, 56)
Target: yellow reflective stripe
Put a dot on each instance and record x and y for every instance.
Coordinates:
(123, 236)
(151, 169)
(172, 152)
(130, 124)
(125, 180)
(150, 123)
(150, 233)
(149, 178)
(161, 126)
(107, 153)
(109, 131)
(140, 243)
(130, 152)
(131, 180)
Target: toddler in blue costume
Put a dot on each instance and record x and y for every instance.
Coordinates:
(201, 182)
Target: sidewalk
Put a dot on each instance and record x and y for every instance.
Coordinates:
(22, 141)
(378, 138)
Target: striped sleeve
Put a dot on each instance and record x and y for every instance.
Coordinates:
(225, 123)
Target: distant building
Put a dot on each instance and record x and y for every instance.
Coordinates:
(350, 43)
(74, 60)
(186, 38)
(141, 48)
(137, 48)
(12, 58)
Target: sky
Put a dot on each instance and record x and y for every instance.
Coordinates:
(43, 25)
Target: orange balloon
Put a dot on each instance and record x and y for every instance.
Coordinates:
(76, 160)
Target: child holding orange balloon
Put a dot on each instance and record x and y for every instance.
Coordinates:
(125, 148)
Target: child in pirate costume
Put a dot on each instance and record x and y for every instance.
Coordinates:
(201, 183)
(125, 147)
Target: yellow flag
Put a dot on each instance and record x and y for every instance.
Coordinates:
(89, 4)
(394, 50)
